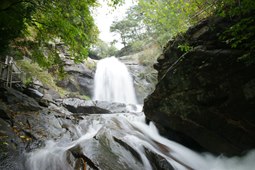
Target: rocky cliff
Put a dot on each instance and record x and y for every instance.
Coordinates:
(205, 96)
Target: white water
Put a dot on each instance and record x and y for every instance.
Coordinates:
(132, 129)
(113, 82)
(98, 131)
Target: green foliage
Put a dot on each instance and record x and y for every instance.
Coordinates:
(33, 71)
(159, 20)
(36, 22)
(103, 49)
(232, 8)
(12, 21)
(28, 80)
(241, 34)
(68, 20)
(167, 18)
(185, 47)
(131, 28)
(138, 45)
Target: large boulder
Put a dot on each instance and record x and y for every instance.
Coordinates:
(205, 96)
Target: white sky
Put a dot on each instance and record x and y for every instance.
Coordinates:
(105, 15)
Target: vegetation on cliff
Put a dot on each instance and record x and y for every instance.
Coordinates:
(159, 21)
(31, 27)
(205, 83)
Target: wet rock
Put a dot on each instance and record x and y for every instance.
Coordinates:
(76, 163)
(25, 126)
(5, 116)
(157, 162)
(18, 100)
(129, 148)
(72, 67)
(46, 100)
(51, 94)
(205, 96)
(76, 105)
(42, 93)
(79, 160)
(11, 148)
(34, 93)
(108, 154)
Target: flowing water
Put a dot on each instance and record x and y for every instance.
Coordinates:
(113, 82)
(124, 141)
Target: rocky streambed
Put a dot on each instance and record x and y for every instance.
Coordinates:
(58, 136)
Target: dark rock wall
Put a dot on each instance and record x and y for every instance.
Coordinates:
(205, 97)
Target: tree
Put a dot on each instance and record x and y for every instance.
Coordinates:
(131, 28)
(12, 16)
(102, 49)
(159, 19)
(36, 22)
(168, 17)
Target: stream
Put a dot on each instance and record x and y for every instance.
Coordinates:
(123, 140)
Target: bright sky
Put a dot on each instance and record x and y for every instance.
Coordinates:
(105, 15)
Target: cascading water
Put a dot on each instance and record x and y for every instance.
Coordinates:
(124, 141)
(113, 82)
(101, 140)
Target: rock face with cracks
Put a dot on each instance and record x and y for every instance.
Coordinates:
(205, 96)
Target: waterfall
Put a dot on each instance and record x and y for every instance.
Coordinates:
(113, 82)
(123, 140)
